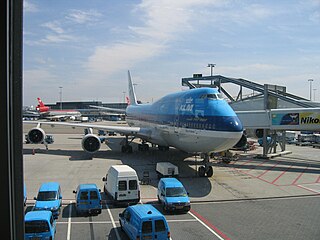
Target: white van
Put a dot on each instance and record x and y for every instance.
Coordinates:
(166, 169)
(122, 184)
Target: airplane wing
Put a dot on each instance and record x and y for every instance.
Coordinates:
(32, 112)
(125, 130)
(116, 110)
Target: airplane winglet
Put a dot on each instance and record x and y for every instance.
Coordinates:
(132, 94)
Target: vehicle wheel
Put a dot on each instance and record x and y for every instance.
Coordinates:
(210, 172)
(121, 226)
(123, 149)
(202, 171)
(164, 208)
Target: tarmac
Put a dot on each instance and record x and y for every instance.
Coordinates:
(246, 178)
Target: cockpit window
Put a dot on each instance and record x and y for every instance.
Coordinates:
(212, 96)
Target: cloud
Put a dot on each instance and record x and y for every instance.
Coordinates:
(122, 56)
(29, 7)
(80, 16)
(33, 76)
(54, 26)
(163, 22)
(57, 38)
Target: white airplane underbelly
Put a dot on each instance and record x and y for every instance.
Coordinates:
(192, 140)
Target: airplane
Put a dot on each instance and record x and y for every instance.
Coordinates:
(194, 121)
(56, 115)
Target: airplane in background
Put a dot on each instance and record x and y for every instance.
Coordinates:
(56, 115)
(194, 121)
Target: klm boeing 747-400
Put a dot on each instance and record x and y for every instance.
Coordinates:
(195, 121)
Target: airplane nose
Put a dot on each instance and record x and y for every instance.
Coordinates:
(230, 124)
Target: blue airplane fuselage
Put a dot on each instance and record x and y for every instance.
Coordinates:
(197, 120)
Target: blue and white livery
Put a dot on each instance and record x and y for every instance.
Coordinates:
(195, 121)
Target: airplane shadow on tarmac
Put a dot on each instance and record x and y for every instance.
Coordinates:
(140, 161)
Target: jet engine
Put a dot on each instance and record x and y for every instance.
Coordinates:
(91, 143)
(36, 135)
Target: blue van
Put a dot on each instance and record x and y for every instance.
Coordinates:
(88, 199)
(172, 195)
(24, 195)
(143, 221)
(39, 225)
(49, 198)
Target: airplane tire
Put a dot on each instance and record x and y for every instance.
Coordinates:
(210, 172)
(202, 171)
(126, 149)
(123, 149)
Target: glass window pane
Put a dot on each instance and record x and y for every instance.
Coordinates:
(93, 195)
(122, 185)
(36, 226)
(84, 196)
(133, 185)
(160, 227)
(147, 227)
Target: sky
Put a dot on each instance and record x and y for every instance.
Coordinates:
(81, 50)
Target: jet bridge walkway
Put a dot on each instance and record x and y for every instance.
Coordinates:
(217, 81)
(268, 118)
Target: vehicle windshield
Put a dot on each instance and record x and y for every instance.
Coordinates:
(47, 196)
(176, 192)
(36, 226)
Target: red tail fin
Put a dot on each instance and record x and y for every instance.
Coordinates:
(41, 104)
(128, 100)
(41, 107)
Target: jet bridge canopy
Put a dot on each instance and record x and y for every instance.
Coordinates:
(267, 92)
(274, 108)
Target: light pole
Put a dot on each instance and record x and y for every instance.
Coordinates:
(211, 66)
(310, 81)
(60, 93)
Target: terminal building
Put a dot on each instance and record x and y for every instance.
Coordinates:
(86, 109)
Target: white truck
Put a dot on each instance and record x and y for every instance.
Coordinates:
(166, 169)
(121, 184)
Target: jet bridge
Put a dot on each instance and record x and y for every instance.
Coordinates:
(268, 111)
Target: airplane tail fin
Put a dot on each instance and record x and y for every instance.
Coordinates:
(41, 104)
(132, 94)
(41, 107)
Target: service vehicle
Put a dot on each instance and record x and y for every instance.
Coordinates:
(39, 225)
(121, 184)
(172, 195)
(88, 199)
(49, 198)
(101, 132)
(166, 169)
(24, 194)
(143, 221)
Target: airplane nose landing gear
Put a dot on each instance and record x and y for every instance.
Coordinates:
(206, 169)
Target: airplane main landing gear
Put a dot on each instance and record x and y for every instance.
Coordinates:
(206, 169)
(143, 147)
(126, 148)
